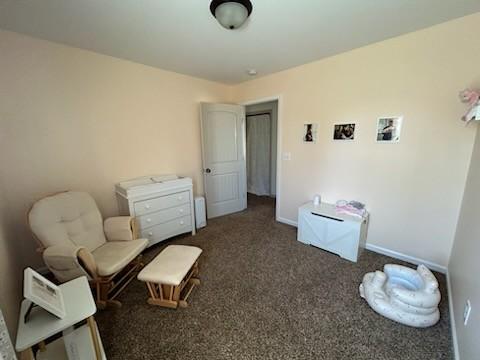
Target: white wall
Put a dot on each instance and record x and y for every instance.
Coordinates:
(464, 265)
(413, 189)
(272, 108)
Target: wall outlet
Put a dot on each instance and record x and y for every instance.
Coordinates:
(287, 156)
(466, 312)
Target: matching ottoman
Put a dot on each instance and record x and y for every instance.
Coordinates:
(172, 275)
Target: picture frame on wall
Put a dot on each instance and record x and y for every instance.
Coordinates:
(310, 133)
(344, 132)
(389, 129)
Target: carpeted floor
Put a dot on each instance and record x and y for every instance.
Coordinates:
(266, 296)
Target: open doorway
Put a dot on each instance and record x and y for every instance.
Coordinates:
(261, 153)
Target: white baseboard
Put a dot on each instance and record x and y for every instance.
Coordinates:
(411, 259)
(456, 352)
(287, 221)
(384, 251)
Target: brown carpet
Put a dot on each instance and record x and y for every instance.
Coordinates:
(266, 296)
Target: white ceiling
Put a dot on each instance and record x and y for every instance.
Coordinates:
(182, 36)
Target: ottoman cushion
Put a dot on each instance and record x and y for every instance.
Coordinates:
(171, 265)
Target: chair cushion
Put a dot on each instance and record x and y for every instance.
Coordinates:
(67, 218)
(171, 265)
(113, 256)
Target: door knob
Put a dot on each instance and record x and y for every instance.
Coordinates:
(208, 171)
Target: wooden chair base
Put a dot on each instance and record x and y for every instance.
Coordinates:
(171, 296)
(102, 305)
(108, 288)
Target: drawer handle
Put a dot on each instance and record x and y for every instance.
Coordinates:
(147, 206)
(149, 220)
(180, 211)
(180, 198)
(150, 233)
(182, 222)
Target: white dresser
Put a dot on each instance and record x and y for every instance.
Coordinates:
(341, 234)
(162, 205)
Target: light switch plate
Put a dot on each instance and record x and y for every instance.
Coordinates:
(287, 156)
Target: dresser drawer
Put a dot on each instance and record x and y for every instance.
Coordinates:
(162, 216)
(161, 203)
(170, 228)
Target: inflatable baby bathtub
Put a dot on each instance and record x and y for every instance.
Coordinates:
(402, 294)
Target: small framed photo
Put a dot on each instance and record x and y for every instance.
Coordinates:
(310, 133)
(43, 293)
(389, 129)
(344, 131)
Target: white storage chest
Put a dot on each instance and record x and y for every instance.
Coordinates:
(341, 234)
(162, 205)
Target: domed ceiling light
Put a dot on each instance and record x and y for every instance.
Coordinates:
(231, 14)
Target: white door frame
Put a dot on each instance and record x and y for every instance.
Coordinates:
(278, 188)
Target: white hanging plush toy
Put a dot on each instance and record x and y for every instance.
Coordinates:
(472, 98)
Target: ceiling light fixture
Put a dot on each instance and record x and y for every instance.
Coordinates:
(231, 14)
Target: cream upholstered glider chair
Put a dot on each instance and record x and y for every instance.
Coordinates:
(75, 241)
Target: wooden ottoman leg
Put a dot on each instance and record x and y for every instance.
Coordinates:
(191, 282)
(157, 296)
(195, 272)
(152, 290)
(176, 293)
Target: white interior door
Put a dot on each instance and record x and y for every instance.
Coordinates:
(223, 152)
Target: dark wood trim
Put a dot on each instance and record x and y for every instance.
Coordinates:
(258, 114)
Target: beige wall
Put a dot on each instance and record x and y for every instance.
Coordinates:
(413, 189)
(73, 119)
(464, 266)
(10, 267)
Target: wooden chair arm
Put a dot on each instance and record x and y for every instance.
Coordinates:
(86, 260)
